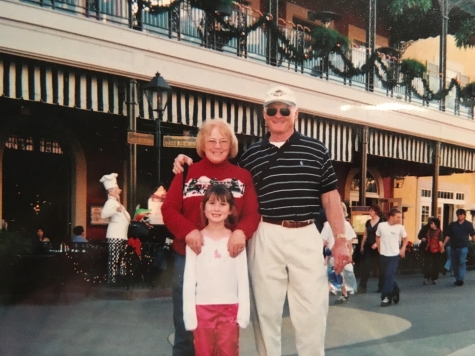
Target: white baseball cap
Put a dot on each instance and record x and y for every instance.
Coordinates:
(280, 94)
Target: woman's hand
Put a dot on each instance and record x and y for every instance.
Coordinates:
(236, 243)
(194, 240)
(179, 161)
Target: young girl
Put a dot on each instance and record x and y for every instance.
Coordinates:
(216, 287)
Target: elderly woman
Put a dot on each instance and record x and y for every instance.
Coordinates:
(119, 222)
(216, 143)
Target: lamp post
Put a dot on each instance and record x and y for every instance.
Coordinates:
(157, 91)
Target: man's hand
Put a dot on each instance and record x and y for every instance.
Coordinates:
(236, 243)
(402, 252)
(194, 240)
(341, 255)
(179, 161)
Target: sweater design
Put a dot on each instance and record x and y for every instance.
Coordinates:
(198, 186)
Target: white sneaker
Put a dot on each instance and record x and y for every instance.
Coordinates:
(385, 302)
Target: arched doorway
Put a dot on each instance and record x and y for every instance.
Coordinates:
(61, 178)
(36, 187)
(374, 187)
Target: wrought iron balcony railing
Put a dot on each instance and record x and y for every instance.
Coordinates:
(193, 25)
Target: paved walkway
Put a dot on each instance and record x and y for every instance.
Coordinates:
(430, 320)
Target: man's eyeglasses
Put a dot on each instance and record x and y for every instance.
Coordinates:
(212, 142)
(273, 111)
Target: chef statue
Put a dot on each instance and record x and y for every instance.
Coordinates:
(119, 222)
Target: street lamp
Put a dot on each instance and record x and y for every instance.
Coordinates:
(157, 91)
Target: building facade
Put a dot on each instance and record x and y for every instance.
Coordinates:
(72, 75)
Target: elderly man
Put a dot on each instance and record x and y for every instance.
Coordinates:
(294, 177)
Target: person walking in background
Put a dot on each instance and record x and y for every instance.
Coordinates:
(369, 250)
(433, 251)
(119, 220)
(349, 282)
(388, 237)
(422, 236)
(216, 286)
(216, 144)
(294, 178)
(457, 235)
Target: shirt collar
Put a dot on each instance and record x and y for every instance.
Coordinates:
(292, 139)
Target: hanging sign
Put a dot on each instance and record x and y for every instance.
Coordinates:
(140, 139)
(179, 141)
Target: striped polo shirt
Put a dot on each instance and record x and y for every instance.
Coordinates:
(290, 187)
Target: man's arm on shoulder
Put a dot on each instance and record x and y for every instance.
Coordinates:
(179, 161)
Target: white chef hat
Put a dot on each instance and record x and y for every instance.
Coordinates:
(109, 180)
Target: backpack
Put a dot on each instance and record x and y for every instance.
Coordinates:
(433, 241)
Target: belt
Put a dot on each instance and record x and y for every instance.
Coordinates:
(288, 223)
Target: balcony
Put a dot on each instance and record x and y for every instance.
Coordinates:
(194, 26)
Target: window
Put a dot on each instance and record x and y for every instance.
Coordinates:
(425, 213)
(426, 193)
(16, 142)
(20, 143)
(371, 186)
(460, 196)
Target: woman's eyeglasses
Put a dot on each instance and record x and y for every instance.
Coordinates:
(212, 142)
(273, 111)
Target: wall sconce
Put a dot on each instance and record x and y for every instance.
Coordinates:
(398, 182)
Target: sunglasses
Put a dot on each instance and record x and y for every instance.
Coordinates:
(273, 111)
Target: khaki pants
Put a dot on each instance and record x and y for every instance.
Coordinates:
(289, 261)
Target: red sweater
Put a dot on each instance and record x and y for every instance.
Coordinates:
(198, 179)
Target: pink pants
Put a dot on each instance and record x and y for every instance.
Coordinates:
(217, 333)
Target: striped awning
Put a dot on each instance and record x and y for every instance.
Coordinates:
(26, 79)
(337, 137)
(192, 108)
(397, 146)
(457, 157)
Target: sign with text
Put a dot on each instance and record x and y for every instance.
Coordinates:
(179, 141)
(137, 138)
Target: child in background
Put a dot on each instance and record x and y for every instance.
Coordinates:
(349, 281)
(216, 286)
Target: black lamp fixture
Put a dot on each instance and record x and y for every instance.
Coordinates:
(324, 16)
(157, 91)
(398, 182)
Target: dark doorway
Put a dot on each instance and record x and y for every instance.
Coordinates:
(448, 213)
(36, 186)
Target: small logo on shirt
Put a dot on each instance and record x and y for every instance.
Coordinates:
(217, 254)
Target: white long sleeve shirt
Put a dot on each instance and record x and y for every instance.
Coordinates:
(214, 277)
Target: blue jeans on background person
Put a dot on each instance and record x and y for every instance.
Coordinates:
(459, 258)
(388, 268)
(448, 263)
(183, 345)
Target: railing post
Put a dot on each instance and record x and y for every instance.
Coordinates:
(370, 42)
(242, 40)
(272, 40)
(174, 22)
(443, 50)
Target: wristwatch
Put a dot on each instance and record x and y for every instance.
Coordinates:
(340, 236)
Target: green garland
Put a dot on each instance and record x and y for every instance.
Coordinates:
(324, 42)
(465, 36)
